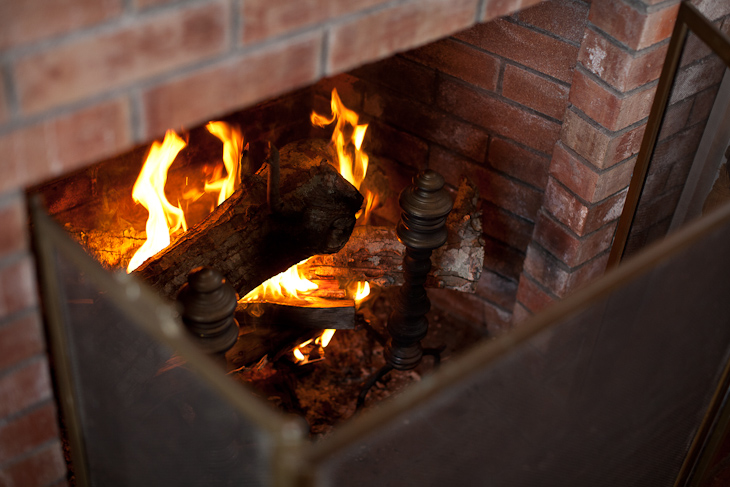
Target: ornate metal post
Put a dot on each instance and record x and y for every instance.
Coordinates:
(209, 303)
(422, 228)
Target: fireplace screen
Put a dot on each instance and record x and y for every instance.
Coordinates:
(605, 388)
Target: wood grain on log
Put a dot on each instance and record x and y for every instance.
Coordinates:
(374, 253)
(248, 242)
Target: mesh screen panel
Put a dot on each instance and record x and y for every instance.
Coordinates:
(610, 396)
(143, 421)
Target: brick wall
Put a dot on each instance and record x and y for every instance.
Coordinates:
(487, 102)
(85, 80)
(620, 59)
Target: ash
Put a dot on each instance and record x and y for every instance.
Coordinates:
(325, 392)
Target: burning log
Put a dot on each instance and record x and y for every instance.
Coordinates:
(375, 254)
(248, 241)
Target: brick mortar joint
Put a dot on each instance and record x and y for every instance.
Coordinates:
(548, 214)
(635, 54)
(29, 410)
(506, 60)
(608, 133)
(539, 30)
(621, 95)
(34, 451)
(549, 292)
(583, 202)
(109, 26)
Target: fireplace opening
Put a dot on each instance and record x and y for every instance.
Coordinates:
(520, 123)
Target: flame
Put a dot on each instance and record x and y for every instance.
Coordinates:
(290, 285)
(232, 147)
(149, 190)
(353, 169)
(362, 292)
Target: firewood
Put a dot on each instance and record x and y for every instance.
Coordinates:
(374, 253)
(248, 241)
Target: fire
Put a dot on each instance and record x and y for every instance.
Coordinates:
(362, 292)
(149, 191)
(232, 147)
(287, 286)
(353, 169)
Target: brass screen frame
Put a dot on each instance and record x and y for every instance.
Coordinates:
(689, 19)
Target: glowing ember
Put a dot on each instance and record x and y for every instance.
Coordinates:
(232, 147)
(149, 190)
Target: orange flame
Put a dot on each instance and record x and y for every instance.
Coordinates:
(362, 292)
(353, 169)
(149, 190)
(232, 147)
(288, 286)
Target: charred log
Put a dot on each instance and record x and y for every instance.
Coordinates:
(375, 254)
(248, 241)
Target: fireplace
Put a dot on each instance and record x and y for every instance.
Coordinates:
(87, 84)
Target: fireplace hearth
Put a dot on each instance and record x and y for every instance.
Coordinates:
(551, 164)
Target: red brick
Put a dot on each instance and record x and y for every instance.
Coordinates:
(498, 117)
(506, 227)
(600, 147)
(669, 151)
(452, 166)
(395, 144)
(471, 308)
(14, 236)
(17, 286)
(24, 387)
(568, 247)
(402, 75)
(32, 20)
(20, 340)
(702, 105)
(649, 213)
(460, 60)
(502, 259)
(611, 109)
(97, 64)
(500, 8)
(38, 470)
(694, 49)
(712, 9)
(585, 181)
(497, 289)
(520, 314)
(553, 274)
(675, 118)
(421, 119)
(532, 296)
(403, 26)
(512, 196)
(266, 19)
(630, 26)
(27, 432)
(577, 215)
(232, 84)
(64, 143)
(520, 163)
(697, 77)
(564, 18)
(622, 69)
(534, 91)
(348, 90)
(554, 57)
